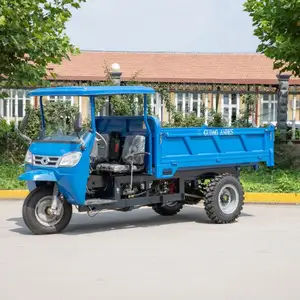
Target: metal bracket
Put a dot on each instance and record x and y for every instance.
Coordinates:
(57, 202)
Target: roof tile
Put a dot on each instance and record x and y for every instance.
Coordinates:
(172, 67)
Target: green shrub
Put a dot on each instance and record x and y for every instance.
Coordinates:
(9, 176)
(12, 146)
(270, 180)
(287, 156)
(54, 112)
(189, 120)
(216, 120)
(290, 133)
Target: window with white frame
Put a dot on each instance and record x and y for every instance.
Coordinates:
(18, 102)
(225, 109)
(154, 105)
(188, 102)
(230, 107)
(269, 108)
(61, 98)
(157, 105)
(15, 104)
(3, 106)
(195, 103)
(179, 101)
(186, 105)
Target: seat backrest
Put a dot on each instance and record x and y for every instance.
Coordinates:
(115, 146)
(103, 150)
(134, 144)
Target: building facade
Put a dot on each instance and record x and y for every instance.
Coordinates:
(195, 83)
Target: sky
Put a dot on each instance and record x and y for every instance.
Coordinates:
(205, 26)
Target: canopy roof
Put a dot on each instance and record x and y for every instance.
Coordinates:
(91, 90)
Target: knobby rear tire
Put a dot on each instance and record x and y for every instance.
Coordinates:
(29, 212)
(212, 203)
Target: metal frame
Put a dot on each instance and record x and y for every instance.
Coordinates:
(91, 92)
(182, 176)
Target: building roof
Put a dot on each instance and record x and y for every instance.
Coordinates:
(172, 67)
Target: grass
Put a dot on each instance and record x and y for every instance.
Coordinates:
(9, 177)
(264, 180)
(271, 180)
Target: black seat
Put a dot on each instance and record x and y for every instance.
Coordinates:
(132, 158)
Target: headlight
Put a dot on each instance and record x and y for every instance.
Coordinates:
(70, 159)
(29, 158)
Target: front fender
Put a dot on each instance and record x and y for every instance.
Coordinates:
(38, 175)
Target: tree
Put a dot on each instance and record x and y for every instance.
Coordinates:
(32, 37)
(277, 25)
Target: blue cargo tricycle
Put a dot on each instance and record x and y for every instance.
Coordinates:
(126, 162)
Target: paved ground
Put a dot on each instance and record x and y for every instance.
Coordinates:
(140, 255)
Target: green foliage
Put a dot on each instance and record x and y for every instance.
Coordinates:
(56, 115)
(12, 146)
(163, 90)
(249, 100)
(270, 180)
(9, 174)
(287, 155)
(277, 25)
(32, 37)
(178, 119)
(189, 120)
(290, 133)
(216, 120)
(121, 105)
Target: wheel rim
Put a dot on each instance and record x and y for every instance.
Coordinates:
(171, 204)
(228, 199)
(42, 212)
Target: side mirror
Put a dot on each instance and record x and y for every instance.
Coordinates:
(24, 122)
(22, 127)
(78, 123)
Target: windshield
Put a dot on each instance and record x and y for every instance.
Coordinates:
(60, 127)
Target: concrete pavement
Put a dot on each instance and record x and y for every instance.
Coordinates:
(141, 255)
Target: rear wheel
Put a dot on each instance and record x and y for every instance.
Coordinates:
(37, 216)
(169, 209)
(224, 199)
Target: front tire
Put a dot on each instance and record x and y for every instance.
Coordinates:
(35, 212)
(224, 199)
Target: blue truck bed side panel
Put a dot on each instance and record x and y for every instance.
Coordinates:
(190, 148)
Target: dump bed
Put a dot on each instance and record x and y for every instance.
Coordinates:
(181, 149)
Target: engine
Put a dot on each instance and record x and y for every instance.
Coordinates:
(155, 188)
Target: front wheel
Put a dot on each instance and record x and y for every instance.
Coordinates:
(37, 216)
(224, 199)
